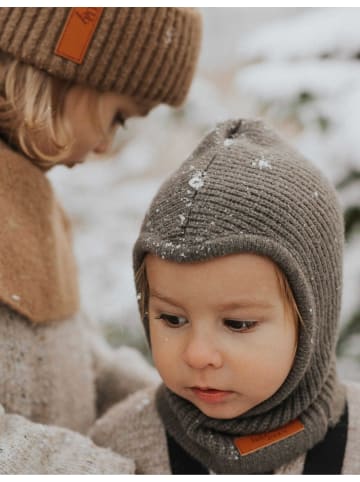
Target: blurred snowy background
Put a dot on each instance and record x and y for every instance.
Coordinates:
(299, 69)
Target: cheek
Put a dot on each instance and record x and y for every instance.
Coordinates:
(161, 347)
(276, 365)
(265, 360)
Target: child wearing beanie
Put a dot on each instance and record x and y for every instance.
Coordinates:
(239, 275)
(68, 78)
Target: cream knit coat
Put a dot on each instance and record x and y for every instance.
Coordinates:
(64, 373)
(29, 448)
(134, 429)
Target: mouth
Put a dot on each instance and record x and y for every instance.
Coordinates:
(210, 395)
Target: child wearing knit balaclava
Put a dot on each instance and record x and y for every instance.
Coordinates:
(239, 274)
(69, 78)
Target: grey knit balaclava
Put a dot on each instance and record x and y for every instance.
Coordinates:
(245, 190)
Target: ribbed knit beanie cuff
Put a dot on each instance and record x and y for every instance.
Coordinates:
(145, 52)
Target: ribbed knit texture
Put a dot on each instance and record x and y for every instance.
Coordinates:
(64, 373)
(245, 190)
(28, 448)
(47, 371)
(148, 53)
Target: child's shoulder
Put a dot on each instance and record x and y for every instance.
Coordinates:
(136, 413)
(18, 174)
(352, 454)
(134, 429)
(351, 462)
(353, 400)
(352, 389)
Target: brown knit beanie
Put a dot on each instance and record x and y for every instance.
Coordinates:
(148, 53)
(245, 190)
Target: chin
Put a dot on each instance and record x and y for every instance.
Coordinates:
(222, 412)
(71, 164)
(219, 414)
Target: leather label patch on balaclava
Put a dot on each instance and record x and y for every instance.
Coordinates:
(251, 443)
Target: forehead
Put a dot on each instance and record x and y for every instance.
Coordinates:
(234, 277)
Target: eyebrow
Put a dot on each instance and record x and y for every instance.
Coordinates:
(246, 303)
(155, 294)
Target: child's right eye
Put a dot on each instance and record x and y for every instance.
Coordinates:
(172, 320)
(240, 326)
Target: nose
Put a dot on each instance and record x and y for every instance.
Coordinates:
(102, 147)
(201, 351)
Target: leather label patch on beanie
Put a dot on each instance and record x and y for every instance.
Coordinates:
(78, 31)
(251, 443)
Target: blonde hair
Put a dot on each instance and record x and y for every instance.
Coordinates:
(287, 296)
(286, 293)
(32, 112)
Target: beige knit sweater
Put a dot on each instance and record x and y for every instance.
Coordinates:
(29, 448)
(64, 373)
(134, 429)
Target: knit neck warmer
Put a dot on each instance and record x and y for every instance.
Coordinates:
(317, 406)
(38, 277)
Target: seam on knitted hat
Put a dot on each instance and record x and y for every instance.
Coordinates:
(204, 173)
(234, 130)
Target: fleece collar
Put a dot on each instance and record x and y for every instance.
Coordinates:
(38, 276)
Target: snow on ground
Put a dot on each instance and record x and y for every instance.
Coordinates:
(282, 81)
(330, 101)
(305, 68)
(314, 32)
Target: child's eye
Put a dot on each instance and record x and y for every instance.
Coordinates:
(172, 320)
(240, 325)
(119, 119)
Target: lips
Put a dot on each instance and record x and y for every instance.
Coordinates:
(210, 395)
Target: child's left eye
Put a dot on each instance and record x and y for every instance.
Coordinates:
(172, 320)
(119, 119)
(240, 325)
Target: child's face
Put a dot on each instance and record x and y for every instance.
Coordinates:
(112, 108)
(221, 334)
